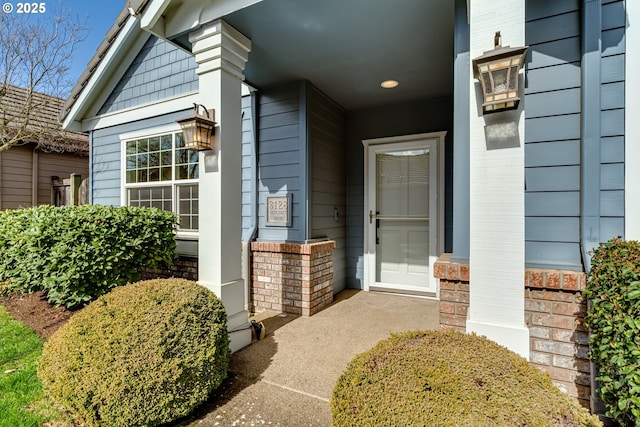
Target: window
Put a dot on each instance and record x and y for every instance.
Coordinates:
(161, 173)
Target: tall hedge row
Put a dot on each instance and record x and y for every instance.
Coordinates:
(613, 320)
(78, 253)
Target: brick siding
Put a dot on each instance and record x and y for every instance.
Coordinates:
(554, 312)
(292, 278)
(184, 267)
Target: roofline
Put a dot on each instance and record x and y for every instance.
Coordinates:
(91, 88)
(132, 8)
(138, 16)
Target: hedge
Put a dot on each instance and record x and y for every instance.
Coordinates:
(448, 378)
(142, 355)
(77, 253)
(613, 321)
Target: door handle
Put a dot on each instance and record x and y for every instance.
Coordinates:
(371, 216)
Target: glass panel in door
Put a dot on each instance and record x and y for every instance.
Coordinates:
(402, 218)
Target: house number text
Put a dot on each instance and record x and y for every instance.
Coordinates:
(279, 211)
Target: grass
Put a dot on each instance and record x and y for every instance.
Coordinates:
(22, 402)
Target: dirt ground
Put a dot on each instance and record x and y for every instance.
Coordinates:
(34, 311)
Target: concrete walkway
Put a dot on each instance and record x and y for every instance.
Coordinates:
(287, 378)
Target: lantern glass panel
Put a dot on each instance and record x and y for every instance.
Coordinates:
(189, 131)
(487, 82)
(500, 80)
(513, 78)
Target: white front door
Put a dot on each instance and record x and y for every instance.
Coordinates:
(402, 214)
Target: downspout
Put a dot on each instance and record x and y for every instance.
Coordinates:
(250, 234)
(590, 154)
(90, 189)
(591, 130)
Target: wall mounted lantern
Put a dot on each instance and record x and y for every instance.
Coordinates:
(198, 129)
(498, 71)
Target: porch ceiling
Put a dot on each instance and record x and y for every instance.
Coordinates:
(346, 48)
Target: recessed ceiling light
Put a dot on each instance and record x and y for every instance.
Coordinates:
(389, 84)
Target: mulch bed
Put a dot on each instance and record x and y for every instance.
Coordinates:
(34, 311)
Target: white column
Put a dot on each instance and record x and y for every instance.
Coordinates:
(221, 53)
(632, 125)
(496, 250)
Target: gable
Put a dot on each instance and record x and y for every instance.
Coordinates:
(159, 71)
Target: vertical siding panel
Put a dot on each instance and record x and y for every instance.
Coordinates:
(60, 165)
(17, 177)
(327, 135)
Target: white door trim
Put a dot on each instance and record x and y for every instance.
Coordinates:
(369, 244)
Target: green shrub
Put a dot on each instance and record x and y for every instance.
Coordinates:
(613, 321)
(142, 355)
(448, 378)
(77, 253)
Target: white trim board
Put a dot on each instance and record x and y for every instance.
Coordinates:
(496, 201)
(141, 112)
(632, 125)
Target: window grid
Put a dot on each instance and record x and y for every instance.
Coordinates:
(161, 173)
(188, 206)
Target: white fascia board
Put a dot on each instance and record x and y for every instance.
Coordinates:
(141, 112)
(96, 81)
(151, 19)
(632, 125)
(187, 16)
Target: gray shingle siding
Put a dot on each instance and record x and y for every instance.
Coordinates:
(159, 71)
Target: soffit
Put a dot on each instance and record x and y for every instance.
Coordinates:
(346, 48)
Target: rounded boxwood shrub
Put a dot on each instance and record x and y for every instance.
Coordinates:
(141, 355)
(613, 321)
(447, 378)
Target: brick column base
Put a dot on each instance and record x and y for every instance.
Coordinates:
(293, 278)
(554, 312)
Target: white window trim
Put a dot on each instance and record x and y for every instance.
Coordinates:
(148, 133)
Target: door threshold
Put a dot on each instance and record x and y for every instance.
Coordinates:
(404, 292)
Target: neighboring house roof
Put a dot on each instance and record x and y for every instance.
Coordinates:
(44, 127)
(131, 7)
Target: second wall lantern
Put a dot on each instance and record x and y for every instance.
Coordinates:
(498, 72)
(198, 129)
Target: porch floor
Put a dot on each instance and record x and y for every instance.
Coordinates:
(287, 378)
